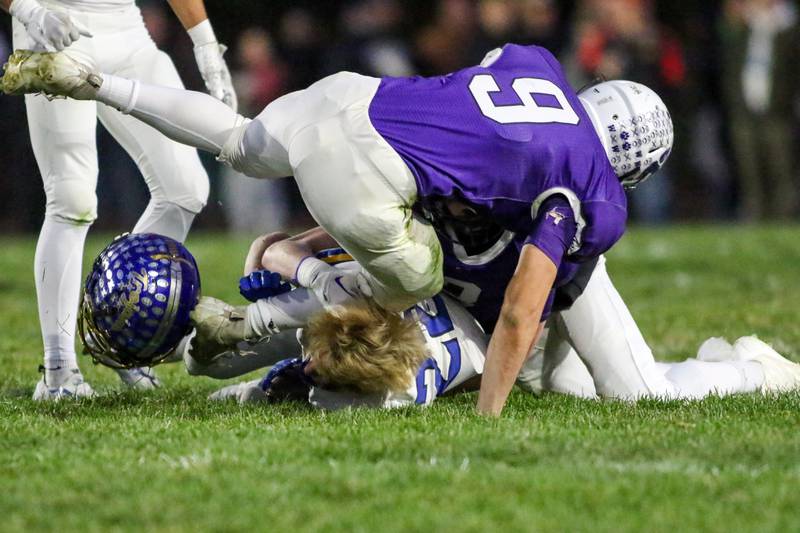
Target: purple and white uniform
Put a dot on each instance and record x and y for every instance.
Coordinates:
(508, 138)
(505, 136)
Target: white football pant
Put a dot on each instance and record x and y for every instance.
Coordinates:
(596, 349)
(63, 138)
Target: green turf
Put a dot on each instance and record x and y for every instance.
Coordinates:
(173, 461)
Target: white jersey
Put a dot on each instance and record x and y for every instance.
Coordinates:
(456, 347)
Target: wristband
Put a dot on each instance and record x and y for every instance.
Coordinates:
(308, 270)
(201, 34)
(23, 10)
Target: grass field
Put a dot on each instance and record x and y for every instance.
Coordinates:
(173, 461)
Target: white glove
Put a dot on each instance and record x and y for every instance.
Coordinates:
(51, 30)
(208, 54)
(331, 286)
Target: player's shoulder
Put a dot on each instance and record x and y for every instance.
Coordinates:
(513, 56)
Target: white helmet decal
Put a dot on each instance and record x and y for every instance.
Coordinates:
(634, 126)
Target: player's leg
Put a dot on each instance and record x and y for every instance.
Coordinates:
(601, 329)
(360, 190)
(563, 370)
(246, 358)
(554, 366)
(63, 139)
(607, 339)
(175, 177)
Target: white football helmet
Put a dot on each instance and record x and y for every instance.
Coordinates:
(634, 126)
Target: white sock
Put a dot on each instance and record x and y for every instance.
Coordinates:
(697, 379)
(290, 310)
(120, 93)
(57, 267)
(188, 117)
(165, 218)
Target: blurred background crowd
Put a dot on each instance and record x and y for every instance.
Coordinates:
(725, 68)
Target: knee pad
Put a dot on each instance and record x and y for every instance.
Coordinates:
(72, 200)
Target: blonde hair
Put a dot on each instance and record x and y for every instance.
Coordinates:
(364, 348)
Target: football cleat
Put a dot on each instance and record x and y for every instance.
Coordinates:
(72, 387)
(219, 326)
(245, 392)
(52, 73)
(780, 374)
(143, 378)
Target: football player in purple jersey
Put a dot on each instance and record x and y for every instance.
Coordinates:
(385, 164)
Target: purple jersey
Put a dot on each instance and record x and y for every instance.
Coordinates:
(479, 281)
(504, 137)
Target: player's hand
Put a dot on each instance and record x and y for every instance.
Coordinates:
(51, 30)
(262, 284)
(331, 286)
(215, 72)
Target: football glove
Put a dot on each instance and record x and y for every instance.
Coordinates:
(331, 286)
(51, 30)
(262, 284)
(208, 54)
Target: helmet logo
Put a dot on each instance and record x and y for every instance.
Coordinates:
(130, 301)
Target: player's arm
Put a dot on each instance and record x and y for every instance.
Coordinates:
(516, 329)
(50, 30)
(285, 256)
(207, 51)
(520, 323)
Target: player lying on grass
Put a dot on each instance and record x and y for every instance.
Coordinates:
(505, 145)
(351, 345)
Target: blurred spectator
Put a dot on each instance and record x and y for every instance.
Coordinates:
(300, 47)
(540, 24)
(621, 39)
(370, 43)
(759, 47)
(446, 45)
(497, 23)
(252, 205)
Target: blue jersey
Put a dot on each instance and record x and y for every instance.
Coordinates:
(504, 136)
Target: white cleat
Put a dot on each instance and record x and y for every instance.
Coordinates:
(143, 378)
(715, 349)
(245, 392)
(51, 73)
(780, 374)
(72, 387)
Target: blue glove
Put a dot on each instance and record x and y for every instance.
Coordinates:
(262, 284)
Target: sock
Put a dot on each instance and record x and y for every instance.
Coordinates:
(165, 218)
(188, 117)
(290, 310)
(57, 267)
(120, 93)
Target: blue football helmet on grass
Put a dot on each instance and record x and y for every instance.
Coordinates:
(137, 299)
